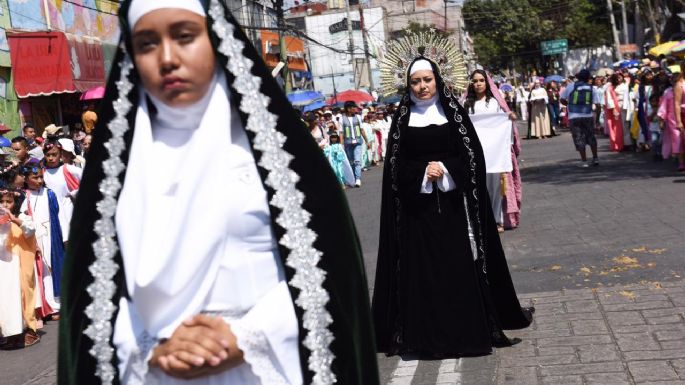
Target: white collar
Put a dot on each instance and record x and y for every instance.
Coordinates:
(181, 118)
(426, 112)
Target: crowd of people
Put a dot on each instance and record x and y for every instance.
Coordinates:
(39, 180)
(352, 138)
(637, 107)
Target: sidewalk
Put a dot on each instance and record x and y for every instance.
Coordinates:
(633, 334)
(619, 335)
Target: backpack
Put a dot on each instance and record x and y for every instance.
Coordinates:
(580, 99)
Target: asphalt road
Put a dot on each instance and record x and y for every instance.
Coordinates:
(577, 224)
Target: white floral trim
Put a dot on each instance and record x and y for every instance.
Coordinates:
(103, 269)
(138, 366)
(303, 257)
(256, 352)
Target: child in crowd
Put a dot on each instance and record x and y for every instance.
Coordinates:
(20, 145)
(335, 153)
(64, 180)
(17, 274)
(69, 155)
(41, 205)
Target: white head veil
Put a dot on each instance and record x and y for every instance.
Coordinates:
(425, 112)
(141, 7)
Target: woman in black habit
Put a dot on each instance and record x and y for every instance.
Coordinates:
(442, 285)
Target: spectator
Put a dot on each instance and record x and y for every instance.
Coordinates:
(579, 97)
(354, 137)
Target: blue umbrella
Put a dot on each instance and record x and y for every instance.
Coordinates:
(554, 78)
(314, 106)
(391, 99)
(629, 64)
(4, 142)
(303, 98)
(506, 87)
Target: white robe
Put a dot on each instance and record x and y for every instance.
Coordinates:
(54, 180)
(40, 209)
(11, 320)
(244, 278)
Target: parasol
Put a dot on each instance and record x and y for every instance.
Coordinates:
(93, 93)
(663, 49)
(554, 78)
(314, 106)
(358, 97)
(304, 98)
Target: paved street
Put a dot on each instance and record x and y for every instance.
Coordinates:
(599, 254)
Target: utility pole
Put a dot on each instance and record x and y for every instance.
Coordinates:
(366, 48)
(652, 22)
(617, 44)
(332, 76)
(639, 35)
(283, 51)
(349, 33)
(624, 20)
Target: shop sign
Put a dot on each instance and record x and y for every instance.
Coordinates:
(341, 26)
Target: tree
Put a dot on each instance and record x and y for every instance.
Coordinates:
(508, 33)
(415, 28)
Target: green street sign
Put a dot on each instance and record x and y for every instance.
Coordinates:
(554, 47)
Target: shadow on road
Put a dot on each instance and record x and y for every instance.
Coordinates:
(613, 167)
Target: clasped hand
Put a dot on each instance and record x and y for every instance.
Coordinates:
(201, 346)
(434, 171)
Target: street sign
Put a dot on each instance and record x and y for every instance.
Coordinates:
(554, 47)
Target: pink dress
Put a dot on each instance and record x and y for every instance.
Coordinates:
(614, 123)
(511, 206)
(672, 140)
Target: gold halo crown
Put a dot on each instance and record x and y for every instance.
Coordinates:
(439, 50)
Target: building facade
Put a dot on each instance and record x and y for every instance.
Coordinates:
(41, 83)
(328, 52)
(444, 15)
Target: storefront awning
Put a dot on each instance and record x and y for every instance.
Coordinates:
(47, 63)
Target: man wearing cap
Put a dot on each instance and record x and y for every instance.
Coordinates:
(579, 98)
(353, 134)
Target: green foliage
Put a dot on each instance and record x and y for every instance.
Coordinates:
(510, 31)
(415, 28)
